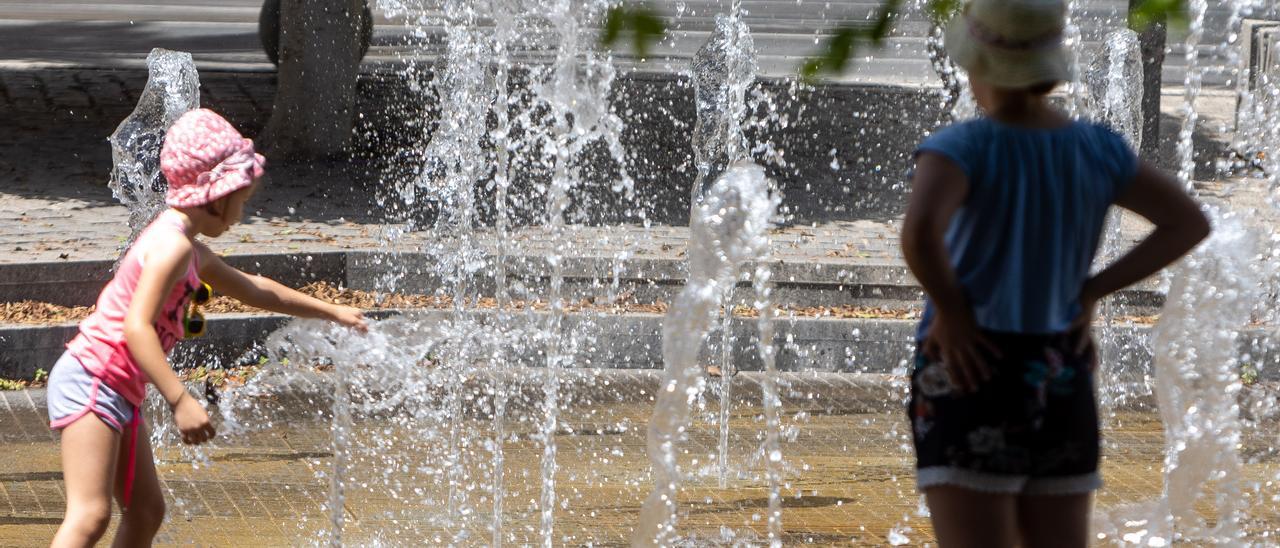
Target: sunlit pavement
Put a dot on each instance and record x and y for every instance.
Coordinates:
(847, 472)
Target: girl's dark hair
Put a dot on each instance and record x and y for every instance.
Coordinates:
(1043, 88)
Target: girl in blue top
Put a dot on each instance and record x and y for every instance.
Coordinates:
(1002, 226)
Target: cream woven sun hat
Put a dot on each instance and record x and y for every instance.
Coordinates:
(1010, 43)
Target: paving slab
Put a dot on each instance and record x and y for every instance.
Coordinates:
(847, 471)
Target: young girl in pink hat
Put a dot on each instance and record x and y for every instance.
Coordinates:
(96, 388)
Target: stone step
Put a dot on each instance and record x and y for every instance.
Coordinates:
(625, 341)
(598, 278)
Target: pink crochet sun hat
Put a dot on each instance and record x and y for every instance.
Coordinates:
(204, 158)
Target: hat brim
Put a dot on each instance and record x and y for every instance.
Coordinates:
(1004, 68)
(199, 195)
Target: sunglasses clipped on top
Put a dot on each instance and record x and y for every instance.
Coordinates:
(193, 322)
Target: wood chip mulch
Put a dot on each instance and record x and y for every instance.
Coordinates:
(40, 313)
(34, 312)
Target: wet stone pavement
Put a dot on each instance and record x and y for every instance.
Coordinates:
(35, 228)
(846, 460)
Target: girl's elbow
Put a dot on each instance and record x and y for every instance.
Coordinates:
(1200, 228)
(908, 243)
(910, 236)
(915, 238)
(1193, 230)
(134, 329)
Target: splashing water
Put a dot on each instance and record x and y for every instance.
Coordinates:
(418, 408)
(173, 88)
(1191, 82)
(504, 36)
(1071, 42)
(1197, 369)
(723, 69)
(1197, 385)
(772, 449)
(456, 162)
(503, 121)
(387, 373)
(576, 94)
(729, 230)
(342, 431)
(1114, 85)
(958, 101)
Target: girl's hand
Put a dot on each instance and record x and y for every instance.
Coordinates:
(192, 420)
(349, 316)
(962, 349)
(1081, 327)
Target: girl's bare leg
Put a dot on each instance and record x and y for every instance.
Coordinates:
(1054, 521)
(89, 449)
(964, 518)
(145, 513)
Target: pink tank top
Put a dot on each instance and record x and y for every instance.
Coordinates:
(101, 344)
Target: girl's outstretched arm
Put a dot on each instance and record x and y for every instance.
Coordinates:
(268, 294)
(938, 190)
(166, 263)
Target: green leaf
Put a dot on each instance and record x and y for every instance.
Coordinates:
(1150, 12)
(648, 29)
(642, 23)
(836, 52)
(884, 21)
(646, 21)
(841, 48)
(614, 21)
(942, 11)
(810, 69)
(846, 39)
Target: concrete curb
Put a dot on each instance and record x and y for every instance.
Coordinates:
(77, 283)
(811, 391)
(872, 283)
(628, 341)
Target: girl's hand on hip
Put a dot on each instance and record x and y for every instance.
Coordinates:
(192, 420)
(351, 317)
(1081, 327)
(962, 349)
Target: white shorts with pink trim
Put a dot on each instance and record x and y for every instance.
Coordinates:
(74, 392)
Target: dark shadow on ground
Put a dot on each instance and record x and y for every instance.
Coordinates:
(28, 520)
(31, 476)
(271, 457)
(54, 142)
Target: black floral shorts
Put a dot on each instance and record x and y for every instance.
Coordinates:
(1031, 429)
